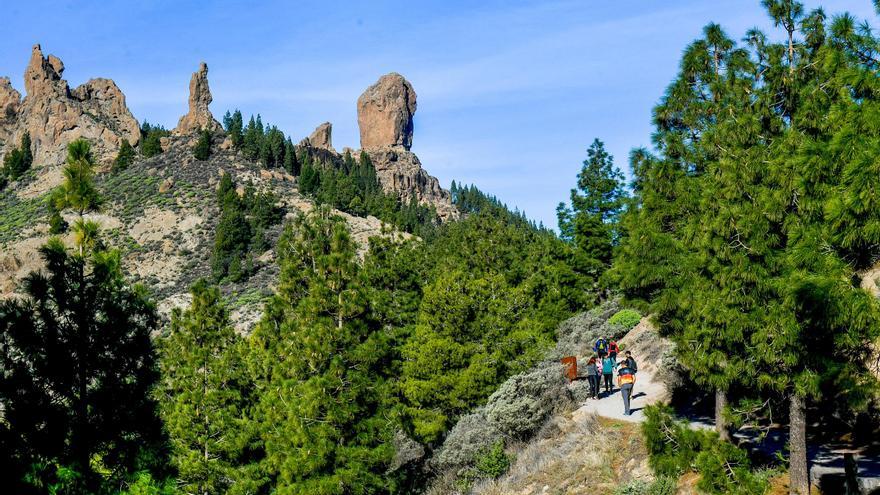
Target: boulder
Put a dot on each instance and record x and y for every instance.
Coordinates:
(55, 115)
(199, 116)
(385, 113)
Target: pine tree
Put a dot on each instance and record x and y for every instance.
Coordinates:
(326, 430)
(202, 150)
(233, 235)
(291, 164)
(124, 158)
(234, 126)
(591, 221)
(253, 139)
(18, 160)
(203, 397)
(151, 144)
(78, 346)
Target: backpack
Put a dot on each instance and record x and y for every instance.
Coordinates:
(601, 345)
(631, 363)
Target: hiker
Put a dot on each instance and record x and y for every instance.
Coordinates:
(631, 363)
(626, 379)
(601, 347)
(608, 366)
(613, 350)
(593, 378)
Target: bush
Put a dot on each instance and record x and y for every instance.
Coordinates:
(471, 436)
(664, 485)
(626, 318)
(674, 448)
(576, 335)
(494, 461)
(523, 402)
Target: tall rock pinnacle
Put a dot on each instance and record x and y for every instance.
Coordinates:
(199, 115)
(385, 113)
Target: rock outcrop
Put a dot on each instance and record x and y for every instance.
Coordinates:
(199, 116)
(400, 172)
(322, 137)
(10, 101)
(55, 115)
(385, 113)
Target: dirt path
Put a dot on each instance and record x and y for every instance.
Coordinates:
(647, 391)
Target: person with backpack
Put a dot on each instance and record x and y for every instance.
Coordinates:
(631, 363)
(593, 378)
(601, 347)
(608, 366)
(626, 379)
(613, 350)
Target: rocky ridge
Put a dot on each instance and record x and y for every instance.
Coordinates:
(55, 115)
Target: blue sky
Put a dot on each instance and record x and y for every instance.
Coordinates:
(510, 93)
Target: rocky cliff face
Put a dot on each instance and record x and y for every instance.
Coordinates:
(400, 172)
(55, 115)
(322, 137)
(199, 116)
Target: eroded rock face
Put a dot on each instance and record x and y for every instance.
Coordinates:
(54, 115)
(400, 172)
(199, 115)
(322, 137)
(10, 101)
(385, 113)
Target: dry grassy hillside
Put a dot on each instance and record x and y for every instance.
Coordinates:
(161, 213)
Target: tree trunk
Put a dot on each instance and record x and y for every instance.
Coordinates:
(720, 423)
(797, 438)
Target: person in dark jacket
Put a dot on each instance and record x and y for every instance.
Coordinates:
(631, 364)
(593, 377)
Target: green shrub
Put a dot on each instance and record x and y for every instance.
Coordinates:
(493, 462)
(626, 318)
(664, 485)
(674, 448)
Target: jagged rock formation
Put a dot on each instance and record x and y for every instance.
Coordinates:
(400, 172)
(385, 113)
(199, 116)
(10, 101)
(55, 115)
(322, 137)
